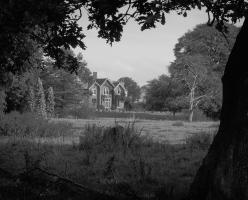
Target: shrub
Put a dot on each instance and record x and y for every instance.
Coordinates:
(30, 124)
(111, 138)
(178, 123)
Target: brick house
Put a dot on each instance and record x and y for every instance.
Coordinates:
(107, 95)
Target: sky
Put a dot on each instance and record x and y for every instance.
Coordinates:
(141, 55)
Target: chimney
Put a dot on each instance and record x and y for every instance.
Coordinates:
(94, 76)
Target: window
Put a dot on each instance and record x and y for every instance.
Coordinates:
(107, 102)
(94, 91)
(106, 91)
(119, 90)
(94, 101)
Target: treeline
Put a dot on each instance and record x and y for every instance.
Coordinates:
(50, 89)
(195, 75)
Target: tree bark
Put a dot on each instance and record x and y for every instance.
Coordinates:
(191, 114)
(223, 174)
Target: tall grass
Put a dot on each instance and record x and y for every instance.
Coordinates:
(30, 124)
(117, 160)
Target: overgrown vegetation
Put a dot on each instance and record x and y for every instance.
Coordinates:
(118, 161)
(32, 125)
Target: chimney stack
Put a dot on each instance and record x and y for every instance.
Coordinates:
(94, 76)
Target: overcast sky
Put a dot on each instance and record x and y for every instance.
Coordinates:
(139, 55)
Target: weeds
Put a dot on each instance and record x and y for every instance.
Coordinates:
(118, 160)
(30, 124)
(200, 141)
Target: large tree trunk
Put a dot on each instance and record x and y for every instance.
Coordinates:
(224, 171)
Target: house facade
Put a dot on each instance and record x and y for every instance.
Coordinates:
(107, 95)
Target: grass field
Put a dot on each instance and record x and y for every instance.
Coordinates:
(147, 159)
(173, 132)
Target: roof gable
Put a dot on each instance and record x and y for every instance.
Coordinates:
(93, 84)
(109, 82)
(118, 84)
(100, 81)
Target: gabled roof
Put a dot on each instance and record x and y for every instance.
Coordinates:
(101, 81)
(116, 84)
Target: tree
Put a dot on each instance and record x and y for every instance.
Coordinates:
(31, 29)
(40, 101)
(28, 27)
(50, 102)
(133, 90)
(194, 84)
(31, 99)
(18, 94)
(68, 88)
(205, 51)
(224, 171)
(176, 104)
(165, 94)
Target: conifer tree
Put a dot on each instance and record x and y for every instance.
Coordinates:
(40, 103)
(31, 99)
(50, 102)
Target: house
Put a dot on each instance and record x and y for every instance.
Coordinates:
(107, 95)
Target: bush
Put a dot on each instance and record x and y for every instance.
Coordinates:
(111, 138)
(178, 123)
(30, 124)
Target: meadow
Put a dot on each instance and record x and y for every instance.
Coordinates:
(126, 159)
(170, 131)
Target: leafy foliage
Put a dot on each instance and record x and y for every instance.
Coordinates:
(31, 27)
(69, 89)
(133, 90)
(109, 18)
(18, 94)
(165, 93)
(205, 51)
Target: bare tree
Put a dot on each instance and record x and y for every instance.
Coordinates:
(193, 85)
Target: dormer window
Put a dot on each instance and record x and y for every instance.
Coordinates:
(106, 91)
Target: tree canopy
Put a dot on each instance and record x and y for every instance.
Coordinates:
(165, 94)
(205, 50)
(69, 89)
(133, 89)
(28, 27)
(31, 27)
